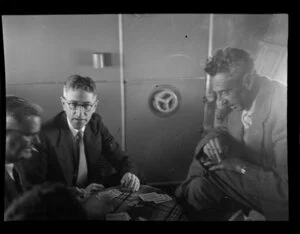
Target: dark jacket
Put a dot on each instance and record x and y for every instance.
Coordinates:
(14, 189)
(11, 190)
(103, 153)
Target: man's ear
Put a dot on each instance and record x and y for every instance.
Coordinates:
(248, 79)
(96, 104)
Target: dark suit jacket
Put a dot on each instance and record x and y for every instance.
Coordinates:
(265, 150)
(103, 153)
(11, 190)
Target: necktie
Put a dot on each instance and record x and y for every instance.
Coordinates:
(82, 167)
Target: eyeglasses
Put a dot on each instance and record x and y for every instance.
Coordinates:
(75, 105)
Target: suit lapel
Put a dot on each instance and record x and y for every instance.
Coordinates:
(235, 126)
(255, 132)
(10, 188)
(22, 180)
(92, 145)
(66, 150)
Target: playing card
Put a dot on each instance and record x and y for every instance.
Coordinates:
(162, 198)
(154, 197)
(160, 195)
(148, 196)
(106, 194)
(157, 201)
(122, 216)
(116, 192)
(166, 196)
(140, 219)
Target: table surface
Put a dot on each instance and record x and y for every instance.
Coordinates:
(136, 208)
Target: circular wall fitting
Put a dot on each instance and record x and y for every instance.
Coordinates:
(164, 100)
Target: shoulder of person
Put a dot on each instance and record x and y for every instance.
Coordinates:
(54, 121)
(52, 125)
(279, 102)
(278, 99)
(96, 117)
(280, 90)
(96, 123)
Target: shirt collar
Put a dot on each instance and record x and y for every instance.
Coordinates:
(251, 109)
(9, 168)
(247, 115)
(73, 130)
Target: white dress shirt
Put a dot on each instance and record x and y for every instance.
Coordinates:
(247, 119)
(247, 116)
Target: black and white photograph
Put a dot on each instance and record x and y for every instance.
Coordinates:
(146, 117)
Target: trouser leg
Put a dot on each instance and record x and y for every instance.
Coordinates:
(201, 194)
(202, 189)
(197, 194)
(230, 183)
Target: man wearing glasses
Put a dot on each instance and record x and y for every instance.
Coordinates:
(80, 152)
(23, 123)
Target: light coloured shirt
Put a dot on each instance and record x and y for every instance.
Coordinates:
(9, 168)
(247, 116)
(75, 131)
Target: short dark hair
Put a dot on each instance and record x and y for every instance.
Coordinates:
(234, 61)
(76, 82)
(19, 108)
(49, 201)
